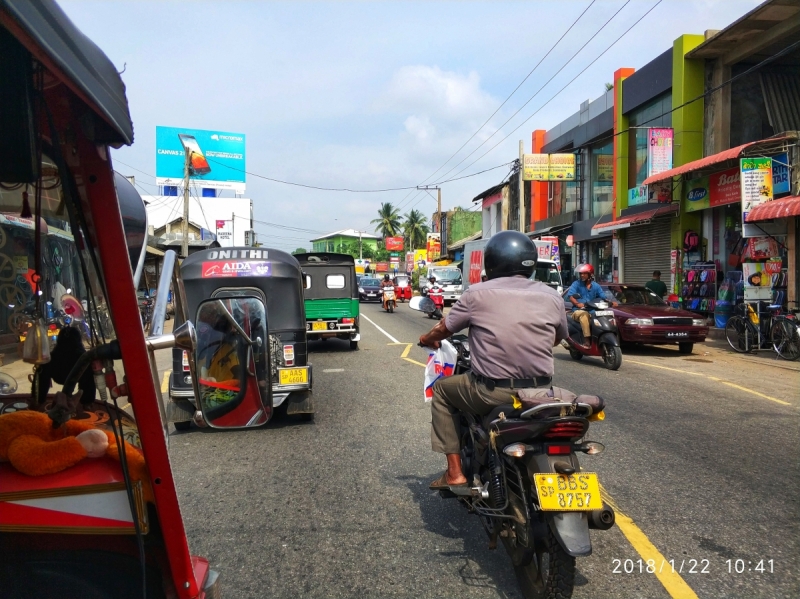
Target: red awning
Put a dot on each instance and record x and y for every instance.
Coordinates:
(636, 219)
(697, 165)
(782, 208)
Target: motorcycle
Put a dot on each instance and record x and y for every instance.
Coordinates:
(526, 484)
(389, 300)
(604, 339)
(436, 295)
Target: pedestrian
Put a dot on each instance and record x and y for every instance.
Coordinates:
(656, 285)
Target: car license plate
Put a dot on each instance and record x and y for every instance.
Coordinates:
(319, 326)
(604, 313)
(678, 334)
(371, 294)
(577, 492)
(293, 376)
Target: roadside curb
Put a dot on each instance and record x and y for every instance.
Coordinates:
(764, 358)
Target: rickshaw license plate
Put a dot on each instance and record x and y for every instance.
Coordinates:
(577, 492)
(293, 376)
(319, 326)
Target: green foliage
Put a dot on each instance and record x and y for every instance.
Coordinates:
(388, 222)
(300, 251)
(415, 229)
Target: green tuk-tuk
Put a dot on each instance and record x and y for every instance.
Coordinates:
(331, 296)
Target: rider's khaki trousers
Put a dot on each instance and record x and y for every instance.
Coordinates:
(460, 392)
(582, 316)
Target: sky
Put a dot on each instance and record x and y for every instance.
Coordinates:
(371, 95)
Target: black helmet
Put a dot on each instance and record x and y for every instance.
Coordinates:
(509, 253)
(385, 277)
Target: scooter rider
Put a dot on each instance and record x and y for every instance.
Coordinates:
(513, 325)
(586, 290)
(385, 283)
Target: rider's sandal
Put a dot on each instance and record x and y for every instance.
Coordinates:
(441, 484)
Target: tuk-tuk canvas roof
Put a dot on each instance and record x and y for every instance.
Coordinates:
(87, 68)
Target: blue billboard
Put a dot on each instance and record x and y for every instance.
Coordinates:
(217, 158)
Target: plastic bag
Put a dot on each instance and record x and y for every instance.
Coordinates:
(441, 362)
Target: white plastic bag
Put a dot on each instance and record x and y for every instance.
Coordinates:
(441, 362)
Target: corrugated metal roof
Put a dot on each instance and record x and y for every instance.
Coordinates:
(639, 218)
(782, 208)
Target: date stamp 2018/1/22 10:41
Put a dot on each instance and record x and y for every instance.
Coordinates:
(692, 566)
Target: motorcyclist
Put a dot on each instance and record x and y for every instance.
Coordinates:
(585, 289)
(513, 325)
(386, 282)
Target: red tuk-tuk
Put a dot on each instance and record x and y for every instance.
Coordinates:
(402, 287)
(88, 504)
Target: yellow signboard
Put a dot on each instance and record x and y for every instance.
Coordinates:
(562, 167)
(535, 167)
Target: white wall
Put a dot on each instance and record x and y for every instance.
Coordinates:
(203, 212)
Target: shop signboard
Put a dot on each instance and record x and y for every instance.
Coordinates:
(659, 151)
(409, 261)
(394, 244)
(562, 167)
(638, 195)
(434, 247)
(780, 174)
(554, 253)
(535, 167)
(217, 158)
(382, 267)
(714, 190)
(660, 192)
(421, 258)
(605, 167)
(756, 185)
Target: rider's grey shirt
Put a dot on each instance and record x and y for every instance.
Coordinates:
(513, 324)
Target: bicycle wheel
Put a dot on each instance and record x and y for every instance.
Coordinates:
(741, 335)
(785, 339)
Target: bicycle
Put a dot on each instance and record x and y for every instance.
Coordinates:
(780, 331)
(742, 335)
(785, 335)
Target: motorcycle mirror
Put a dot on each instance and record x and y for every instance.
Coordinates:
(422, 304)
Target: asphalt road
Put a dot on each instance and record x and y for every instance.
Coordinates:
(701, 462)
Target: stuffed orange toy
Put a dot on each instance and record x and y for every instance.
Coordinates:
(33, 445)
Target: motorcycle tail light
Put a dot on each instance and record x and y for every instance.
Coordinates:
(348, 320)
(558, 449)
(565, 430)
(185, 361)
(288, 355)
(52, 327)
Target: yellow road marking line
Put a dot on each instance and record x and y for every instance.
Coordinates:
(125, 407)
(414, 362)
(672, 581)
(165, 382)
(406, 350)
(715, 379)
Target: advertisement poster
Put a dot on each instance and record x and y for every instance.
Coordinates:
(780, 174)
(761, 248)
(434, 247)
(756, 184)
(475, 266)
(554, 253)
(394, 244)
(659, 151)
(217, 158)
(562, 167)
(21, 263)
(660, 192)
(410, 262)
(673, 269)
(755, 275)
(535, 167)
(605, 167)
(224, 232)
(713, 190)
(382, 267)
(420, 258)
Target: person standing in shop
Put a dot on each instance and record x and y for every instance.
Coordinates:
(656, 285)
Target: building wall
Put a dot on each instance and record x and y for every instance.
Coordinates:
(337, 243)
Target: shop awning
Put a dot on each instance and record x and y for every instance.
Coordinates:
(724, 156)
(642, 218)
(782, 208)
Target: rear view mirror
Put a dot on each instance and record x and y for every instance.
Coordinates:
(422, 304)
(232, 363)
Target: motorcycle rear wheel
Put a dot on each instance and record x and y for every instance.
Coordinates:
(391, 308)
(612, 356)
(575, 354)
(549, 575)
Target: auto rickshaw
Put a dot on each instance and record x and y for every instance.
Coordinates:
(331, 296)
(402, 287)
(251, 356)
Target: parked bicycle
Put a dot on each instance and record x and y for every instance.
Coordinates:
(754, 330)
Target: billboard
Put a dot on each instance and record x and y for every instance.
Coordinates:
(394, 244)
(659, 151)
(756, 183)
(548, 167)
(217, 158)
(434, 247)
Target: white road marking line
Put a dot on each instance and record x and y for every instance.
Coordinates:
(333, 370)
(392, 339)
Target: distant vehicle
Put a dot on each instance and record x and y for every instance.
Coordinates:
(369, 290)
(546, 271)
(450, 280)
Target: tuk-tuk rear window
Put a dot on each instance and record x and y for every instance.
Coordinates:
(335, 281)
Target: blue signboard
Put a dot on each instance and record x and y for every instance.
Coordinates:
(217, 158)
(780, 174)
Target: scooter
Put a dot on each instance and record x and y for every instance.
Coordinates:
(436, 294)
(389, 300)
(526, 484)
(604, 340)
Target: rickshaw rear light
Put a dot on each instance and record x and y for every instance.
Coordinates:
(185, 361)
(52, 327)
(348, 320)
(288, 355)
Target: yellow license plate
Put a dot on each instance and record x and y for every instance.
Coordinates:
(319, 326)
(293, 376)
(577, 492)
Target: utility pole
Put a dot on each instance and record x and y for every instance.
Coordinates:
(360, 252)
(522, 215)
(185, 223)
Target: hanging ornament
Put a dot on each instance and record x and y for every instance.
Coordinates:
(26, 207)
(36, 349)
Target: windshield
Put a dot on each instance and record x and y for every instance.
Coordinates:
(636, 297)
(370, 282)
(547, 274)
(447, 276)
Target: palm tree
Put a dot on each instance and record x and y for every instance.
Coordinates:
(415, 229)
(388, 221)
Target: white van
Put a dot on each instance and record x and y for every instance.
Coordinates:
(449, 277)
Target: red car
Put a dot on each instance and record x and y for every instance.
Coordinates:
(643, 317)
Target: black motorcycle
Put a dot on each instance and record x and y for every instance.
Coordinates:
(526, 485)
(605, 336)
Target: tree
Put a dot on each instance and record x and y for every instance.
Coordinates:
(609, 87)
(415, 229)
(388, 221)
(300, 251)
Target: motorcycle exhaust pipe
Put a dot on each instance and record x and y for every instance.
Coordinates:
(602, 519)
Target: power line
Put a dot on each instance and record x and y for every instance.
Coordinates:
(471, 137)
